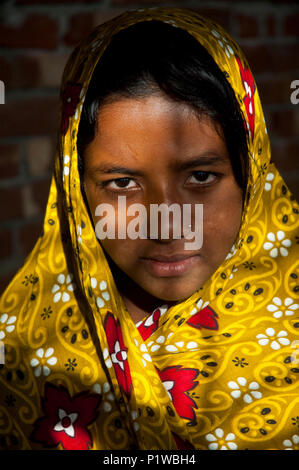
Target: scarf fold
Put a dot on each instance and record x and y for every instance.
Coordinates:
(217, 371)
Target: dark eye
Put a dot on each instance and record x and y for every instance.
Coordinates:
(202, 177)
(120, 183)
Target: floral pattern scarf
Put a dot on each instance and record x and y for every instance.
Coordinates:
(217, 371)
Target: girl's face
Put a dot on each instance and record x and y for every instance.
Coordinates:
(153, 150)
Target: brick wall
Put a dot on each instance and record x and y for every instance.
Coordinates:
(36, 38)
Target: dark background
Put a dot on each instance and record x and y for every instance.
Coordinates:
(36, 38)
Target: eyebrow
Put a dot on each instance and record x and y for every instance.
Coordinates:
(203, 161)
(197, 161)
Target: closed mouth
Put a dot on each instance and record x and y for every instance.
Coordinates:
(171, 258)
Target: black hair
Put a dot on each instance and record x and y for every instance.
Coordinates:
(152, 56)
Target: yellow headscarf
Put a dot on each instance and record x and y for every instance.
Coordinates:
(217, 371)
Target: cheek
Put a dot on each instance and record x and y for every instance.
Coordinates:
(124, 253)
(221, 221)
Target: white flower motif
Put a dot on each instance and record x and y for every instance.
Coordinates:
(289, 444)
(172, 22)
(247, 125)
(251, 392)
(200, 305)
(233, 271)
(249, 92)
(79, 107)
(168, 384)
(107, 359)
(288, 307)
(79, 234)
(232, 252)
(161, 340)
(100, 300)
(134, 416)
(65, 422)
(156, 345)
(275, 245)
(191, 345)
(219, 442)
(276, 340)
(66, 168)
(7, 323)
(108, 396)
(60, 290)
(119, 356)
(145, 355)
(43, 361)
(96, 44)
(269, 177)
(266, 130)
(151, 318)
(223, 43)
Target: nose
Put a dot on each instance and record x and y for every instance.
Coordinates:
(164, 214)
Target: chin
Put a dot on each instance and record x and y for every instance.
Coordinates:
(173, 294)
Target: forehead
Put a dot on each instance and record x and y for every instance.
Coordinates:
(151, 128)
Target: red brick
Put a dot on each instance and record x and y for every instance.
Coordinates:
(274, 58)
(33, 70)
(270, 23)
(5, 71)
(285, 154)
(80, 26)
(292, 181)
(24, 72)
(275, 90)
(10, 203)
(5, 244)
(40, 153)
(284, 2)
(9, 161)
(28, 236)
(34, 198)
(220, 16)
(5, 280)
(29, 116)
(247, 26)
(37, 31)
(142, 2)
(40, 193)
(283, 123)
(291, 178)
(291, 25)
(48, 2)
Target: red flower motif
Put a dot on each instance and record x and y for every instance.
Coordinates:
(182, 445)
(118, 353)
(205, 318)
(178, 382)
(249, 87)
(70, 99)
(150, 324)
(66, 418)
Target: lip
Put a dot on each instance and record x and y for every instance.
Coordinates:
(170, 266)
(171, 257)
